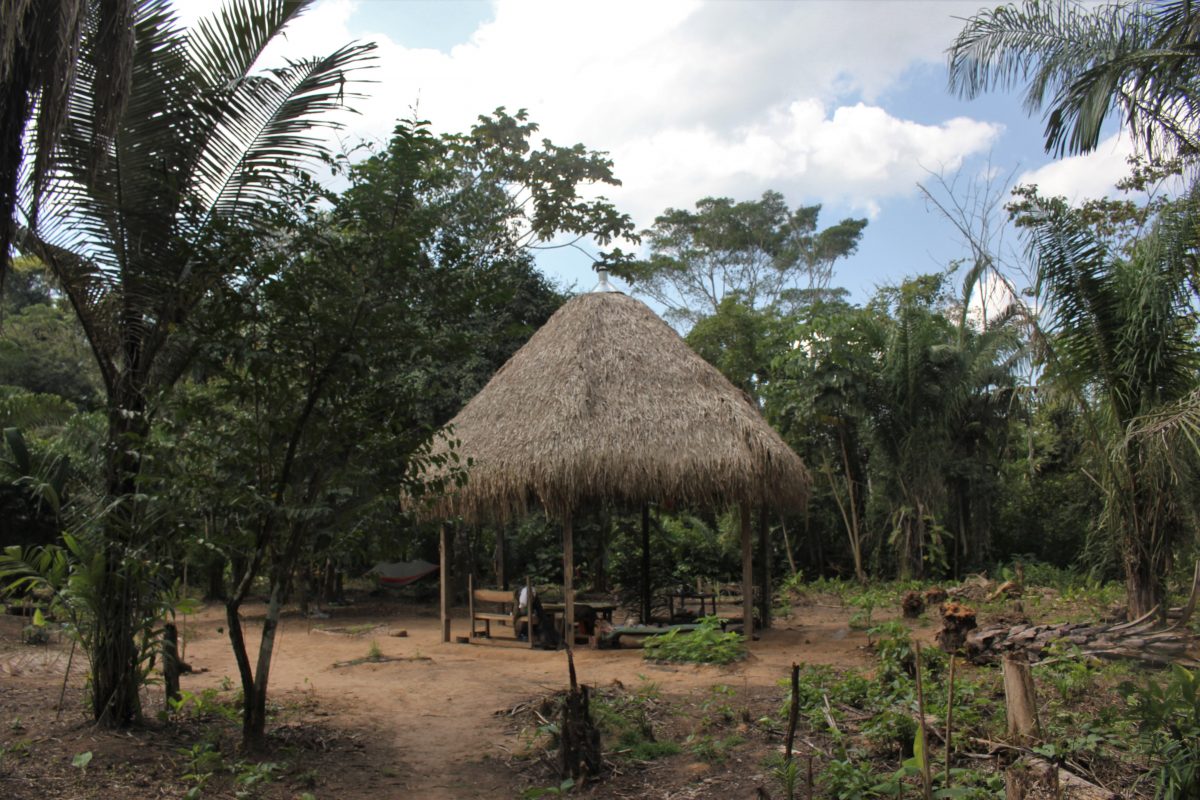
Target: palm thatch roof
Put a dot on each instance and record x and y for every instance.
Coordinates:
(607, 403)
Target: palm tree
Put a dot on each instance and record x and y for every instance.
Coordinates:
(138, 225)
(1081, 64)
(1120, 337)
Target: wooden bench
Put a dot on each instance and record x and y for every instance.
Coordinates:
(498, 606)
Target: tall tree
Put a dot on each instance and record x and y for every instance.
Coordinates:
(137, 235)
(759, 250)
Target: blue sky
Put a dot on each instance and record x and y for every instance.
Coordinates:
(839, 103)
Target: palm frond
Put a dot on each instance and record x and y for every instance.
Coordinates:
(225, 45)
(267, 128)
(1081, 64)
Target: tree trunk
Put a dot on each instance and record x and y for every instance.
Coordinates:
(116, 677)
(170, 659)
(254, 706)
(1144, 576)
(214, 572)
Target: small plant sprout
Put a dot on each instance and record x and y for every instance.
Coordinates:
(81, 761)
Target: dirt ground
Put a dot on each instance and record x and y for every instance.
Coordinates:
(430, 720)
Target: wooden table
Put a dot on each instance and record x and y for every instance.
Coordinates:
(707, 599)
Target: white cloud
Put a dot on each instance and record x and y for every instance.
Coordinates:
(1085, 177)
(857, 155)
(690, 98)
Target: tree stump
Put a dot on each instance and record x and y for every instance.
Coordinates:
(935, 595)
(1020, 701)
(579, 739)
(912, 604)
(1032, 777)
(957, 621)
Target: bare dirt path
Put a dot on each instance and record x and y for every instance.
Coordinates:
(423, 723)
(436, 703)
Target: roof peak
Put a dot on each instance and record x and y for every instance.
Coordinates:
(604, 286)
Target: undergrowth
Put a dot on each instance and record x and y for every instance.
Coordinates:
(707, 644)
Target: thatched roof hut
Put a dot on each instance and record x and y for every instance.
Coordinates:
(607, 403)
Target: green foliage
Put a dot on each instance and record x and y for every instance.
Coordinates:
(683, 547)
(1124, 348)
(1080, 63)
(626, 720)
(1168, 718)
(72, 576)
(707, 644)
(787, 774)
(206, 705)
(713, 749)
(42, 350)
(535, 792)
(759, 250)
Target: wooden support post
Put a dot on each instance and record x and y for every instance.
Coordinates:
(764, 571)
(747, 575)
(501, 567)
(568, 582)
(645, 564)
(444, 581)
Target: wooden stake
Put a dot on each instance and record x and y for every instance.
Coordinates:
(63, 692)
(925, 780)
(949, 722)
(793, 712)
(444, 581)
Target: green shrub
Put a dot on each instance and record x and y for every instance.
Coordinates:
(1168, 718)
(707, 644)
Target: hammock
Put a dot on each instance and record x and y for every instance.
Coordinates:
(402, 573)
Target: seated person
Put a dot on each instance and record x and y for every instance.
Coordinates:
(531, 611)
